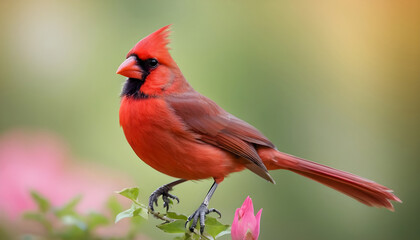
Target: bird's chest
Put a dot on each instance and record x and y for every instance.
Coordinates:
(162, 141)
(148, 122)
(152, 129)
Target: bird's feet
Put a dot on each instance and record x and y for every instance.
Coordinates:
(164, 192)
(200, 214)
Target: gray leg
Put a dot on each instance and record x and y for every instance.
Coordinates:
(202, 211)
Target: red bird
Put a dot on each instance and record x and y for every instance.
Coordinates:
(183, 134)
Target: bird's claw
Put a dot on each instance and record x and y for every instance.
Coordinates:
(166, 200)
(166, 196)
(200, 214)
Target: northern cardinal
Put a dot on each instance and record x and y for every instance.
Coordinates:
(183, 134)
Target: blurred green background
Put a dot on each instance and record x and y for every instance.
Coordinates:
(337, 82)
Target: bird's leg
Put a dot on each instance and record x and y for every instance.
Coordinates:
(202, 211)
(164, 192)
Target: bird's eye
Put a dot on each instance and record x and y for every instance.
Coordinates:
(152, 62)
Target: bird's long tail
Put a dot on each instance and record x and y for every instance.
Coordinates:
(361, 189)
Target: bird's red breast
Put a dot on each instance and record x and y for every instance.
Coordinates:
(162, 141)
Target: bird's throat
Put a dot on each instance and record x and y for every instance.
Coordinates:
(132, 88)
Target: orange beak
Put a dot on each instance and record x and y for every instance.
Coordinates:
(130, 69)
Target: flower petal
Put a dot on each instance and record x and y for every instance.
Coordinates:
(256, 230)
(234, 232)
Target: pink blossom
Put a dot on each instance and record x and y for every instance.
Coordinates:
(41, 162)
(245, 225)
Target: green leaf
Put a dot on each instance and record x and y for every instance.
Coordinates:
(71, 232)
(223, 233)
(95, 219)
(34, 216)
(130, 193)
(42, 202)
(174, 215)
(214, 227)
(38, 217)
(177, 226)
(114, 206)
(137, 221)
(141, 212)
(125, 214)
(74, 221)
(134, 211)
(192, 236)
(24, 237)
(69, 208)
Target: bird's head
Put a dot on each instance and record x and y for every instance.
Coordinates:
(150, 69)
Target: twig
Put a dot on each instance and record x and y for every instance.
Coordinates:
(160, 216)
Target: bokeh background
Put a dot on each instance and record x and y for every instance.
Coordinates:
(337, 82)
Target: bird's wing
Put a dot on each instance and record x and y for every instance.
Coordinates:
(215, 126)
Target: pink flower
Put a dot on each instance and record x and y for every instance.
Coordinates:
(245, 225)
(41, 162)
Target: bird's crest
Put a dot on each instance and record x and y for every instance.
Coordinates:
(154, 45)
